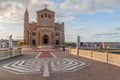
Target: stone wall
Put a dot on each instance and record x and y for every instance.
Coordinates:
(85, 53)
(73, 51)
(100, 56)
(5, 54)
(114, 59)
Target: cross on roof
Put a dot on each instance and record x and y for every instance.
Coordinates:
(45, 6)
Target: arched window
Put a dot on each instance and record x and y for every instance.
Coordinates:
(33, 33)
(45, 15)
(41, 16)
(49, 16)
(57, 34)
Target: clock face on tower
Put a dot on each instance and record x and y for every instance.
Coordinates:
(45, 22)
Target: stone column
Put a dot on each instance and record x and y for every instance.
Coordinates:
(77, 50)
(19, 51)
(11, 51)
(50, 36)
(37, 37)
(29, 38)
(54, 38)
(10, 42)
(41, 39)
(61, 39)
(78, 42)
(78, 45)
(69, 50)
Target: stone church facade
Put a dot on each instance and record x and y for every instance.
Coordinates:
(43, 32)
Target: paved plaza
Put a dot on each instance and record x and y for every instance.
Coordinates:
(55, 64)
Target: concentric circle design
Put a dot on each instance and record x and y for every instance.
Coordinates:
(31, 66)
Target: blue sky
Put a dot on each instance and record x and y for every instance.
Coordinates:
(93, 20)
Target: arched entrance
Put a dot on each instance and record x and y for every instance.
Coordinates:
(57, 42)
(33, 42)
(45, 39)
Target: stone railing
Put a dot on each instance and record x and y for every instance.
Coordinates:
(8, 53)
(101, 56)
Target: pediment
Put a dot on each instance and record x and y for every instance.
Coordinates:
(45, 10)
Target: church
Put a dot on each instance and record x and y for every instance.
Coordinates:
(45, 31)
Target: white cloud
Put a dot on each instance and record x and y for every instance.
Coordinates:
(41, 4)
(67, 18)
(115, 29)
(11, 11)
(14, 11)
(34, 2)
(79, 29)
(90, 6)
(2, 28)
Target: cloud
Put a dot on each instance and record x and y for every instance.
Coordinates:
(66, 18)
(18, 37)
(2, 28)
(79, 29)
(36, 5)
(90, 6)
(104, 35)
(39, 4)
(116, 29)
(34, 2)
(11, 11)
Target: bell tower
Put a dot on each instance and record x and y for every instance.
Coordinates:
(26, 24)
(26, 17)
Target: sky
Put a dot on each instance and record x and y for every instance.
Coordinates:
(92, 20)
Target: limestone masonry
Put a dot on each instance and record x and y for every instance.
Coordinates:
(44, 32)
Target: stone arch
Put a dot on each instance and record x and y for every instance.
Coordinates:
(45, 39)
(33, 42)
(57, 42)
